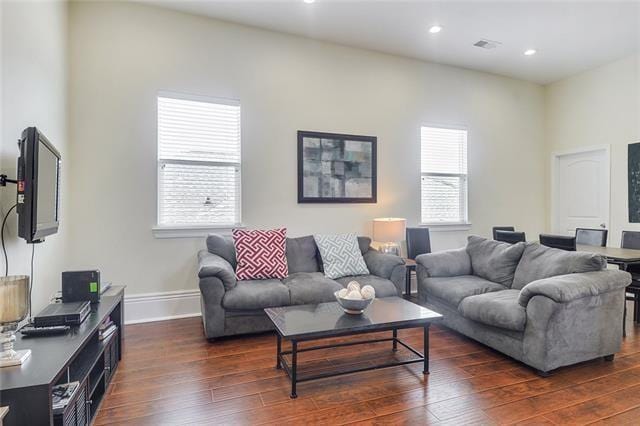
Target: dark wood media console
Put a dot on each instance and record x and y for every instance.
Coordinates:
(78, 356)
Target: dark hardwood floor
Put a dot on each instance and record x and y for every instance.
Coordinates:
(171, 375)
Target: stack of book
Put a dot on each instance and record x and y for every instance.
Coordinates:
(61, 395)
(107, 328)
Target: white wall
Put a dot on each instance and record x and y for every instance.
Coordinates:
(599, 107)
(34, 93)
(123, 54)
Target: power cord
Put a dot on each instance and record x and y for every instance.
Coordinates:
(33, 252)
(4, 249)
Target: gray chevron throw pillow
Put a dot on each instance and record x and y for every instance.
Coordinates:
(341, 256)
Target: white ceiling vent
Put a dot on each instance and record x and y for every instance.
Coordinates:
(487, 44)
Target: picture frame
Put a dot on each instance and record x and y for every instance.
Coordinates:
(633, 176)
(336, 168)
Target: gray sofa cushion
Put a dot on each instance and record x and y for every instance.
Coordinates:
(493, 260)
(302, 255)
(383, 286)
(310, 287)
(498, 309)
(454, 289)
(256, 294)
(222, 245)
(449, 263)
(364, 243)
(539, 262)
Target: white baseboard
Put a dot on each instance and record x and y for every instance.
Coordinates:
(148, 307)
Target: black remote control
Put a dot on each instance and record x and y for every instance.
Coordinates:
(31, 331)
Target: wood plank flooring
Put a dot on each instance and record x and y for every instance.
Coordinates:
(171, 374)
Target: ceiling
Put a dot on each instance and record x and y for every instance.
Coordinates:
(569, 36)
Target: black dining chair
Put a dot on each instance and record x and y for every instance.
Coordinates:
(510, 237)
(561, 242)
(631, 240)
(418, 242)
(592, 237)
(501, 228)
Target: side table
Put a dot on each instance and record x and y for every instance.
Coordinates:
(411, 267)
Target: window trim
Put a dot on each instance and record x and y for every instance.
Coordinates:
(192, 231)
(465, 224)
(197, 230)
(447, 226)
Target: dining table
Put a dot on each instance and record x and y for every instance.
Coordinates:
(623, 258)
(614, 255)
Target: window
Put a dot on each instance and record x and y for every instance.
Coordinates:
(443, 175)
(198, 162)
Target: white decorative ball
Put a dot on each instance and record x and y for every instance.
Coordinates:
(354, 295)
(343, 293)
(368, 292)
(353, 286)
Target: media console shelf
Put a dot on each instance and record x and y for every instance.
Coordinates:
(78, 356)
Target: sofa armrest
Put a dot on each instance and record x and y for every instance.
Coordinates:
(448, 263)
(570, 287)
(212, 265)
(558, 334)
(381, 264)
(213, 314)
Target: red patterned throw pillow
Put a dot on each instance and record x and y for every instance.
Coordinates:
(260, 254)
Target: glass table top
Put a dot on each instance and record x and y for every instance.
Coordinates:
(329, 318)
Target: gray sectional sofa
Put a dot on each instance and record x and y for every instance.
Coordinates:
(232, 307)
(545, 307)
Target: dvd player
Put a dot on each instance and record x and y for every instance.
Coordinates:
(63, 314)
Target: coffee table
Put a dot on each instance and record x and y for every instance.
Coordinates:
(325, 320)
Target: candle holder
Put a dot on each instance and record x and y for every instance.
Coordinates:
(14, 307)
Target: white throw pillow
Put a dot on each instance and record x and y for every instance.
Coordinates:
(341, 256)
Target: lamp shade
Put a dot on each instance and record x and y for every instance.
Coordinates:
(14, 298)
(389, 229)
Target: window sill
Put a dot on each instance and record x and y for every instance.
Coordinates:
(447, 227)
(192, 231)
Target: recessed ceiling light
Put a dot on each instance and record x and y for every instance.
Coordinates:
(530, 52)
(309, 1)
(435, 29)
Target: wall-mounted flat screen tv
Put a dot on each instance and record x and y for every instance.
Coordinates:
(38, 187)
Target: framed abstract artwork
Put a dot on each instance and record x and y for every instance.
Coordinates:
(634, 182)
(336, 168)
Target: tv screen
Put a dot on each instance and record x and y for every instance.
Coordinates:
(38, 187)
(47, 186)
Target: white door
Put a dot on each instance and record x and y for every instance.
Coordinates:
(580, 187)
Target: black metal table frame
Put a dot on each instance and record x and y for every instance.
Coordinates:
(407, 280)
(291, 370)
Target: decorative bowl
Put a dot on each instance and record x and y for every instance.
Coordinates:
(351, 306)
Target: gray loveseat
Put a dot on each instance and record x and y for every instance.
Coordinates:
(232, 307)
(545, 307)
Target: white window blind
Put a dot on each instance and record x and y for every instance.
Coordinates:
(443, 175)
(198, 162)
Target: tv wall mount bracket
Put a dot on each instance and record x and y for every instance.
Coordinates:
(4, 180)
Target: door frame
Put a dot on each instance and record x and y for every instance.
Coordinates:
(555, 162)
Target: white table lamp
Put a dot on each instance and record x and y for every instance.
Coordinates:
(389, 231)
(14, 307)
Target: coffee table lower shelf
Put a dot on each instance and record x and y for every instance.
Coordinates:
(291, 369)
